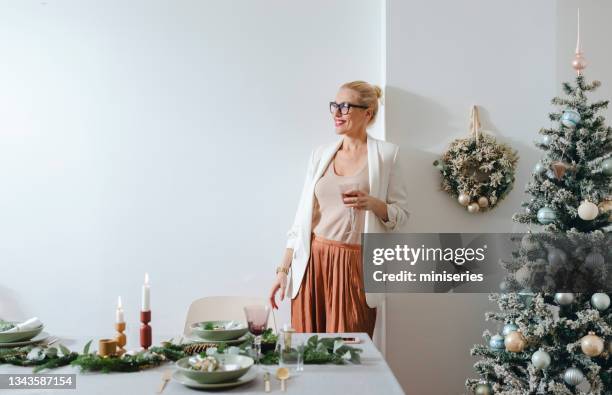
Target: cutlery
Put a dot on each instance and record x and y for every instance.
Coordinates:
(165, 378)
(266, 382)
(282, 374)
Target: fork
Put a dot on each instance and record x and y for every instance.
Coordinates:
(166, 376)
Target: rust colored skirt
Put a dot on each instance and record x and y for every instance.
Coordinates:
(332, 298)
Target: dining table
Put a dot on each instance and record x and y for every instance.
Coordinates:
(371, 376)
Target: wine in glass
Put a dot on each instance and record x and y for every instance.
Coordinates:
(345, 190)
(257, 320)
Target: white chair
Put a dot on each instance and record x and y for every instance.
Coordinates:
(220, 308)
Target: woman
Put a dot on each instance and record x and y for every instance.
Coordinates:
(352, 186)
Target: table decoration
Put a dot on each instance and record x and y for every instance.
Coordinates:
(107, 347)
(120, 328)
(145, 315)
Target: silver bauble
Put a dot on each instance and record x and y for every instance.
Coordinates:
(529, 242)
(600, 301)
(509, 328)
(483, 389)
(557, 256)
(463, 199)
(540, 359)
(539, 168)
(594, 259)
(564, 299)
(606, 166)
(573, 376)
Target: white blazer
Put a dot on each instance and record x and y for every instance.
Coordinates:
(386, 184)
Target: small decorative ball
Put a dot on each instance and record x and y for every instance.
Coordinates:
(573, 376)
(550, 174)
(546, 139)
(546, 215)
(529, 242)
(606, 165)
(483, 389)
(594, 259)
(564, 299)
(587, 210)
(496, 342)
(539, 168)
(473, 208)
(526, 296)
(600, 301)
(508, 328)
(523, 275)
(515, 341)
(579, 63)
(503, 286)
(592, 345)
(483, 202)
(570, 118)
(463, 199)
(540, 359)
(557, 257)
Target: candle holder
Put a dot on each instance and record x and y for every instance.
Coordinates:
(145, 329)
(121, 339)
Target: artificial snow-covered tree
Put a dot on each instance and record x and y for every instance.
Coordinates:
(552, 341)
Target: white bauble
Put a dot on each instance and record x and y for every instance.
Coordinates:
(588, 211)
(540, 359)
(564, 298)
(600, 301)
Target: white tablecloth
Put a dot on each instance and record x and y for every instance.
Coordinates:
(372, 376)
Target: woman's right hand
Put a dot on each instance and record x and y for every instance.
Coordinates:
(279, 284)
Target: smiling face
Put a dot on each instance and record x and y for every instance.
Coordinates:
(357, 118)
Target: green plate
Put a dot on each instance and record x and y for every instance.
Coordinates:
(13, 337)
(241, 364)
(197, 330)
(186, 381)
(42, 336)
(197, 339)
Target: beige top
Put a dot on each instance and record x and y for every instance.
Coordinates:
(331, 219)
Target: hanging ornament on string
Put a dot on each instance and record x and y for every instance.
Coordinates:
(515, 342)
(483, 389)
(606, 167)
(559, 169)
(564, 299)
(546, 215)
(540, 359)
(600, 301)
(570, 119)
(496, 342)
(573, 376)
(588, 211)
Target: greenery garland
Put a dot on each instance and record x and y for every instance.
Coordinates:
(477, 170)
(316, 351)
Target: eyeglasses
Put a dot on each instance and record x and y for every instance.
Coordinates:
(343, 107)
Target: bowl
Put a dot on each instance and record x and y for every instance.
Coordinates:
(22, 335)
(198, 330)
(237, 366)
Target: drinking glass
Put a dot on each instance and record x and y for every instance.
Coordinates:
(257, 320)
(344, 189)
(291, 355)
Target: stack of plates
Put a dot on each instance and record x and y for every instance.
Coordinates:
(236, 371)
(23, 337)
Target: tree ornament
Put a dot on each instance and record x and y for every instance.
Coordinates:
(594, 259)
(539, 168)
(515, 341)
(473, 208)
(592, 345)
(483, 389)
(564, 299)
(606, 207)
(523, 275)
(483, 202)
(508, 328)
(606, 167)
(579, 63)
(496, 342)
(529, 242)
(546, 215)
(600, 301)
(463, 199)
(546, 139)
(540, 359)
(559, 168)
(478, 165)
(557, 257)
(573, 376)
(587, 210)
(570, 118)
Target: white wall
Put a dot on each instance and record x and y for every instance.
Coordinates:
(444, 56)
(161, 136)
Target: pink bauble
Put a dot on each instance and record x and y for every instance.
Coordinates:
(579, 63)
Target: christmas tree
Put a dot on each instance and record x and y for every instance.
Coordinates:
(555, 319)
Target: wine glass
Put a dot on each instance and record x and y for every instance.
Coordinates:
(257, 320)
(344, 189)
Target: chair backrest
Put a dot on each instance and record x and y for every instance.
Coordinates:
(220, 308)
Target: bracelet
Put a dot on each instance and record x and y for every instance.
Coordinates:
(282, 269)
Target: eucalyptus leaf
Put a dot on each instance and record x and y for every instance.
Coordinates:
(65, 350)
(86, 348)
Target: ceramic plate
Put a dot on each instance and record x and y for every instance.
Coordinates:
(20, 336)
(198, 339)
(248, 376)
(36, 339)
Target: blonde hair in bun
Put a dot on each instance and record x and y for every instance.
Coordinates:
(369, 95)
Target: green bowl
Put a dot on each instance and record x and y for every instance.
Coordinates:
(238, 365)
(198, 330)
(21, 335)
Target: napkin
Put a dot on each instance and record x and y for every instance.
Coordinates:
(32, 323)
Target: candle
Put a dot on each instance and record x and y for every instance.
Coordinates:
(119, 312)
(146, 294)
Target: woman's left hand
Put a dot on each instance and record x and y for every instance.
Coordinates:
(363, 201)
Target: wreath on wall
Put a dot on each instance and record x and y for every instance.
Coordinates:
(477, 170)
